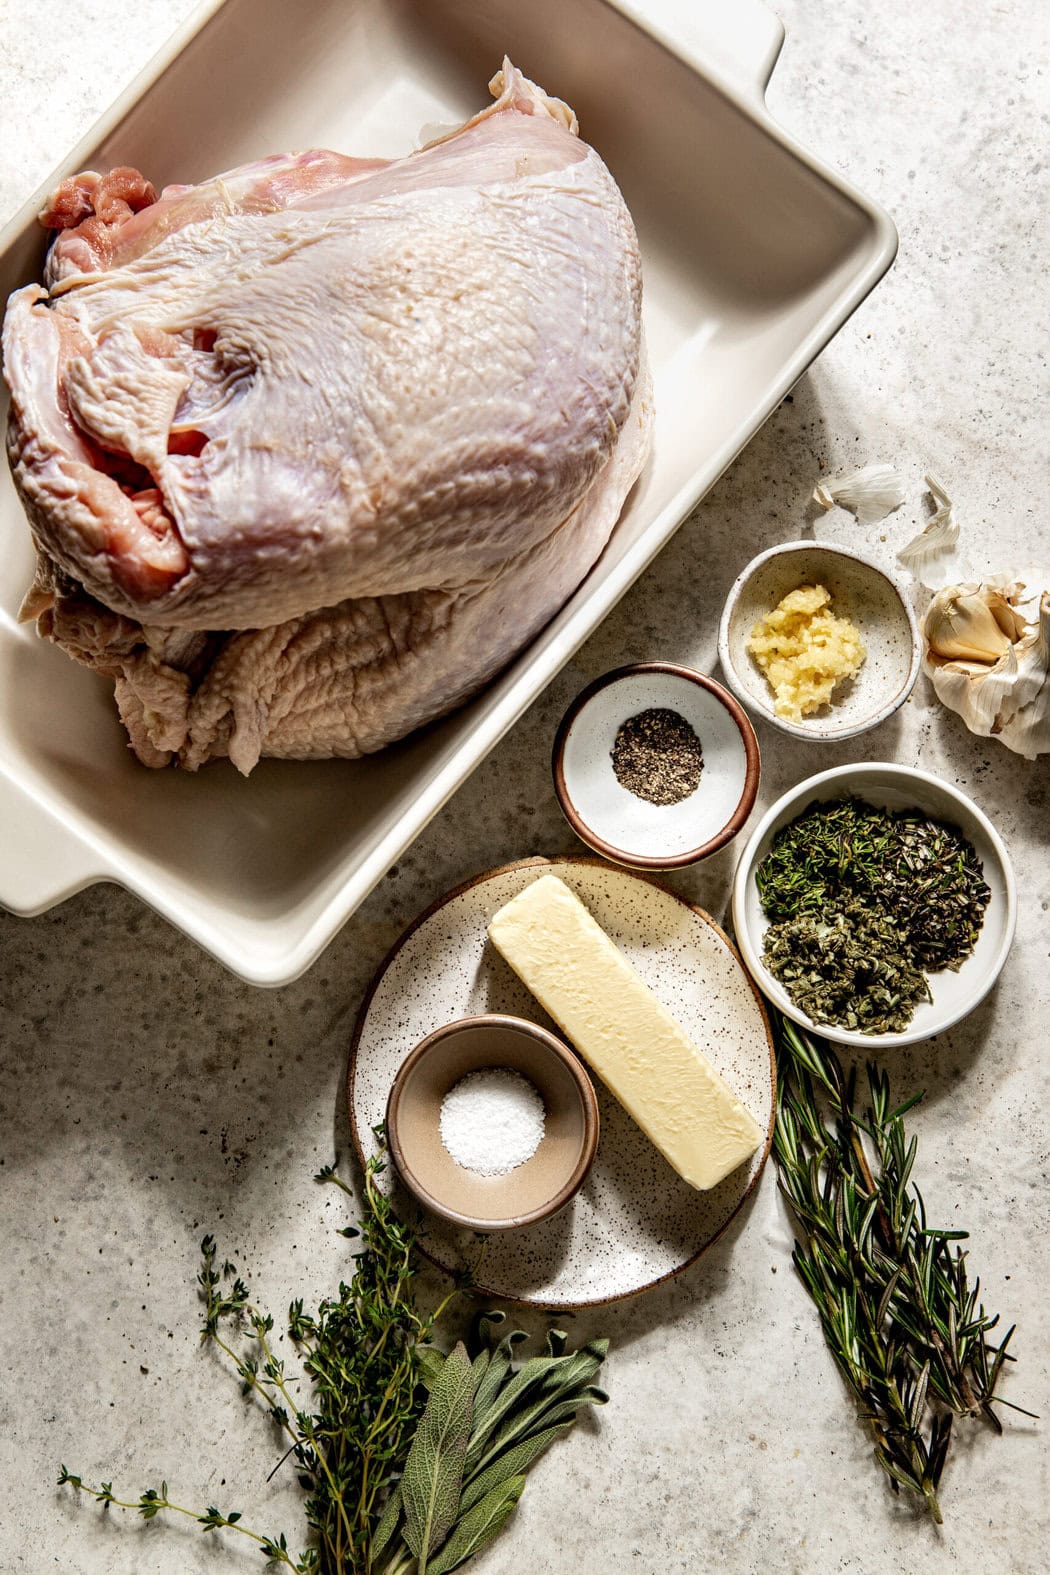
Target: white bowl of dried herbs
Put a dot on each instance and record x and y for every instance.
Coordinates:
(874, 903)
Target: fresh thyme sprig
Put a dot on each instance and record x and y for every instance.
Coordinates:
(411, 1461)
(904, 1325)
(153, 1500)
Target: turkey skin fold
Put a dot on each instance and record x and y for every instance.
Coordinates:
(310, 450)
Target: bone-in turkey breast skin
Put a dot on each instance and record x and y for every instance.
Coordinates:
(381, 416)
(346, 680)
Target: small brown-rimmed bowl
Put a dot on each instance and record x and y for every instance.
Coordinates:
(532, 1191)
(861, 591)
(619, 824)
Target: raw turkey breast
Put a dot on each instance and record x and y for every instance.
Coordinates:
(310, 450)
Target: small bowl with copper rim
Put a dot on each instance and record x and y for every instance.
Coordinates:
(656, 766)
(533, 1190)
(861, 591)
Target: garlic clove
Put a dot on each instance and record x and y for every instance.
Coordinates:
(957, 664)
(870, 493)
(960, 624)
(1003, 606)
(978, 697)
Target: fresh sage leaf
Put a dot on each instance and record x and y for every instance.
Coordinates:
(545, 1391)
(512, 1463)
(535, 1418)
(430, 1361)
(481, 1364)
(479, 1338)
(551, 1372)
(388, 1523)
(495, 1373)
(433, 1475)
(513, 1390)
(479, 1527)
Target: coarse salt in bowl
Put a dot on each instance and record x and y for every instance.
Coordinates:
(492, 1121)
(525, 1181)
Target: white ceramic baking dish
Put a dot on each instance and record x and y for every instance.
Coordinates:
(754, 255)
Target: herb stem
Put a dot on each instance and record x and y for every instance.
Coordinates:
(403, 1564)
(152, 1505)
(900, 1318)
(258, 1384)
(305, 1432)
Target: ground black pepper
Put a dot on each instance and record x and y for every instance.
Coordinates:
(657, 756)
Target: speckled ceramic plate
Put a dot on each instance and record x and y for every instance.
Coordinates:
(634, 1222)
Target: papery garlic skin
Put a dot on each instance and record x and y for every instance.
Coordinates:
(870, 493)
(1028, 731)
(934, 557)
(987, 652)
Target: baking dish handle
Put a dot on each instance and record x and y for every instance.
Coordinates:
(43, 861)
(738, 40)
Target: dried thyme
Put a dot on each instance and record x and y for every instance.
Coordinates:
(864, 902)
(657, 756)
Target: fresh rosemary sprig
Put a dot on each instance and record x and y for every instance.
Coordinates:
(900, 1317)
(411, 1461)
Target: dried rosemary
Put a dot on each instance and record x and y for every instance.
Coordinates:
(900, 1316)
(863, 903)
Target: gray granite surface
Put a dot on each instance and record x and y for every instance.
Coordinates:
(148, 1096)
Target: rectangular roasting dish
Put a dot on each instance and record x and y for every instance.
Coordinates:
(754, 255)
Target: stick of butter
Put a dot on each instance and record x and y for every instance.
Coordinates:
(621, 1030)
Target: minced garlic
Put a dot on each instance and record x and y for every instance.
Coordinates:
(805, 650)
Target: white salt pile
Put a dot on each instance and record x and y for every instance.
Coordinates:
(492, 1121)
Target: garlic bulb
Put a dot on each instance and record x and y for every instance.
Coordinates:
(988, 655)
(870, 493)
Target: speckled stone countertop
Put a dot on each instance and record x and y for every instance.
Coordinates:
(148, 1096)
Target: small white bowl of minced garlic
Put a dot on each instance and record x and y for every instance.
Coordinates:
(819, 641)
